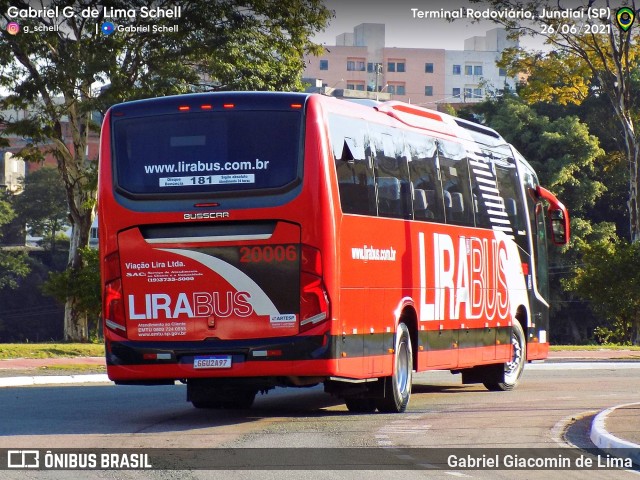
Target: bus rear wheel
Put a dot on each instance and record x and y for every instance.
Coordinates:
(513, 368)
(397, 387)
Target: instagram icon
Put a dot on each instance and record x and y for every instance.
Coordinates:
(13, 28)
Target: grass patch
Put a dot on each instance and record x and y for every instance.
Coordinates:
(50, 350)
(572, 348)
(76, 367)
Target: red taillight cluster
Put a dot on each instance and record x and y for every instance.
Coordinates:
(113, 301)
(314, 300)
(208, 106)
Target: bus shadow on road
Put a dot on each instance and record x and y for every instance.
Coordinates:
(419, 388)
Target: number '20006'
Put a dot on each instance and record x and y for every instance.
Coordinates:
(268, 254)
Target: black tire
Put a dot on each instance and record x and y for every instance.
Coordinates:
(397, 387)
(360, 405)
(513, 369)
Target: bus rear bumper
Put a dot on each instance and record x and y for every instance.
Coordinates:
(302, 356)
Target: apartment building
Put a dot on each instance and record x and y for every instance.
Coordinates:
(424, 76)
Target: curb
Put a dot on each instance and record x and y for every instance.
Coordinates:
(53, 380)
(609, 442)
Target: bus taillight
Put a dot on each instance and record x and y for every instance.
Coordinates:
(314, 300)
(114, 314)
(114, 306)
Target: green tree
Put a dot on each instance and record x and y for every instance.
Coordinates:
(218, 45)
(84, 286)
(599, 58)
(562, 151)
(612, 287)
(13, 264)
(42, 204)
(568, 161)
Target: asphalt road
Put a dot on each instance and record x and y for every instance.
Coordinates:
(551, 408)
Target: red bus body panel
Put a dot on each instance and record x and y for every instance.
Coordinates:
(462, 285)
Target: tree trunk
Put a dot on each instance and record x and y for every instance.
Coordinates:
(634, 210)
(76, 325)
(632, 151)
(634, 186)
(635, 330)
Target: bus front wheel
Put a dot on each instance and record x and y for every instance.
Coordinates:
(397, 387)
(513, 368)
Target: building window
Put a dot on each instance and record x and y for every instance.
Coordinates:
(355, 86)
(457, 70)
(502, 72)
(477, 70)
(396, 88)
(374, 67)
(355, 65)
(324, 64)
(456, 93)
(428, 68)
(396, 67)
(468, 69)
(477, 93)
(428, 91)
(468, 93)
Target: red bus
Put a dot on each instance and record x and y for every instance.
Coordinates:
(253, 240)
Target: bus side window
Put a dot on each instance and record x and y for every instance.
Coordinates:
(423, 171)
(421, 204)
(509, 186)
(511, 208)
(391, 171)
(355, 175)
(484, 190)
(454, 172)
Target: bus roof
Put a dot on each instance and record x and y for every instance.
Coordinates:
(205, 101)
(412, 115)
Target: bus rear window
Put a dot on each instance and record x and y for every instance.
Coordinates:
(213, 152)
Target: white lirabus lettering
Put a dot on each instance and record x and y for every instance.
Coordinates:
(161, 305)
(443, 244)
(473, 274)
(462, 281)
(427, 310)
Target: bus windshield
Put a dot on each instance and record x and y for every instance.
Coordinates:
(207, 152)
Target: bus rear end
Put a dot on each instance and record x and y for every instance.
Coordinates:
(208, 274)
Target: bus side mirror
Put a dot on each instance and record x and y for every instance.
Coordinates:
(558, 217)
(559, 228)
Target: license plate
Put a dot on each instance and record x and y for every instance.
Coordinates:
(213, 361)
